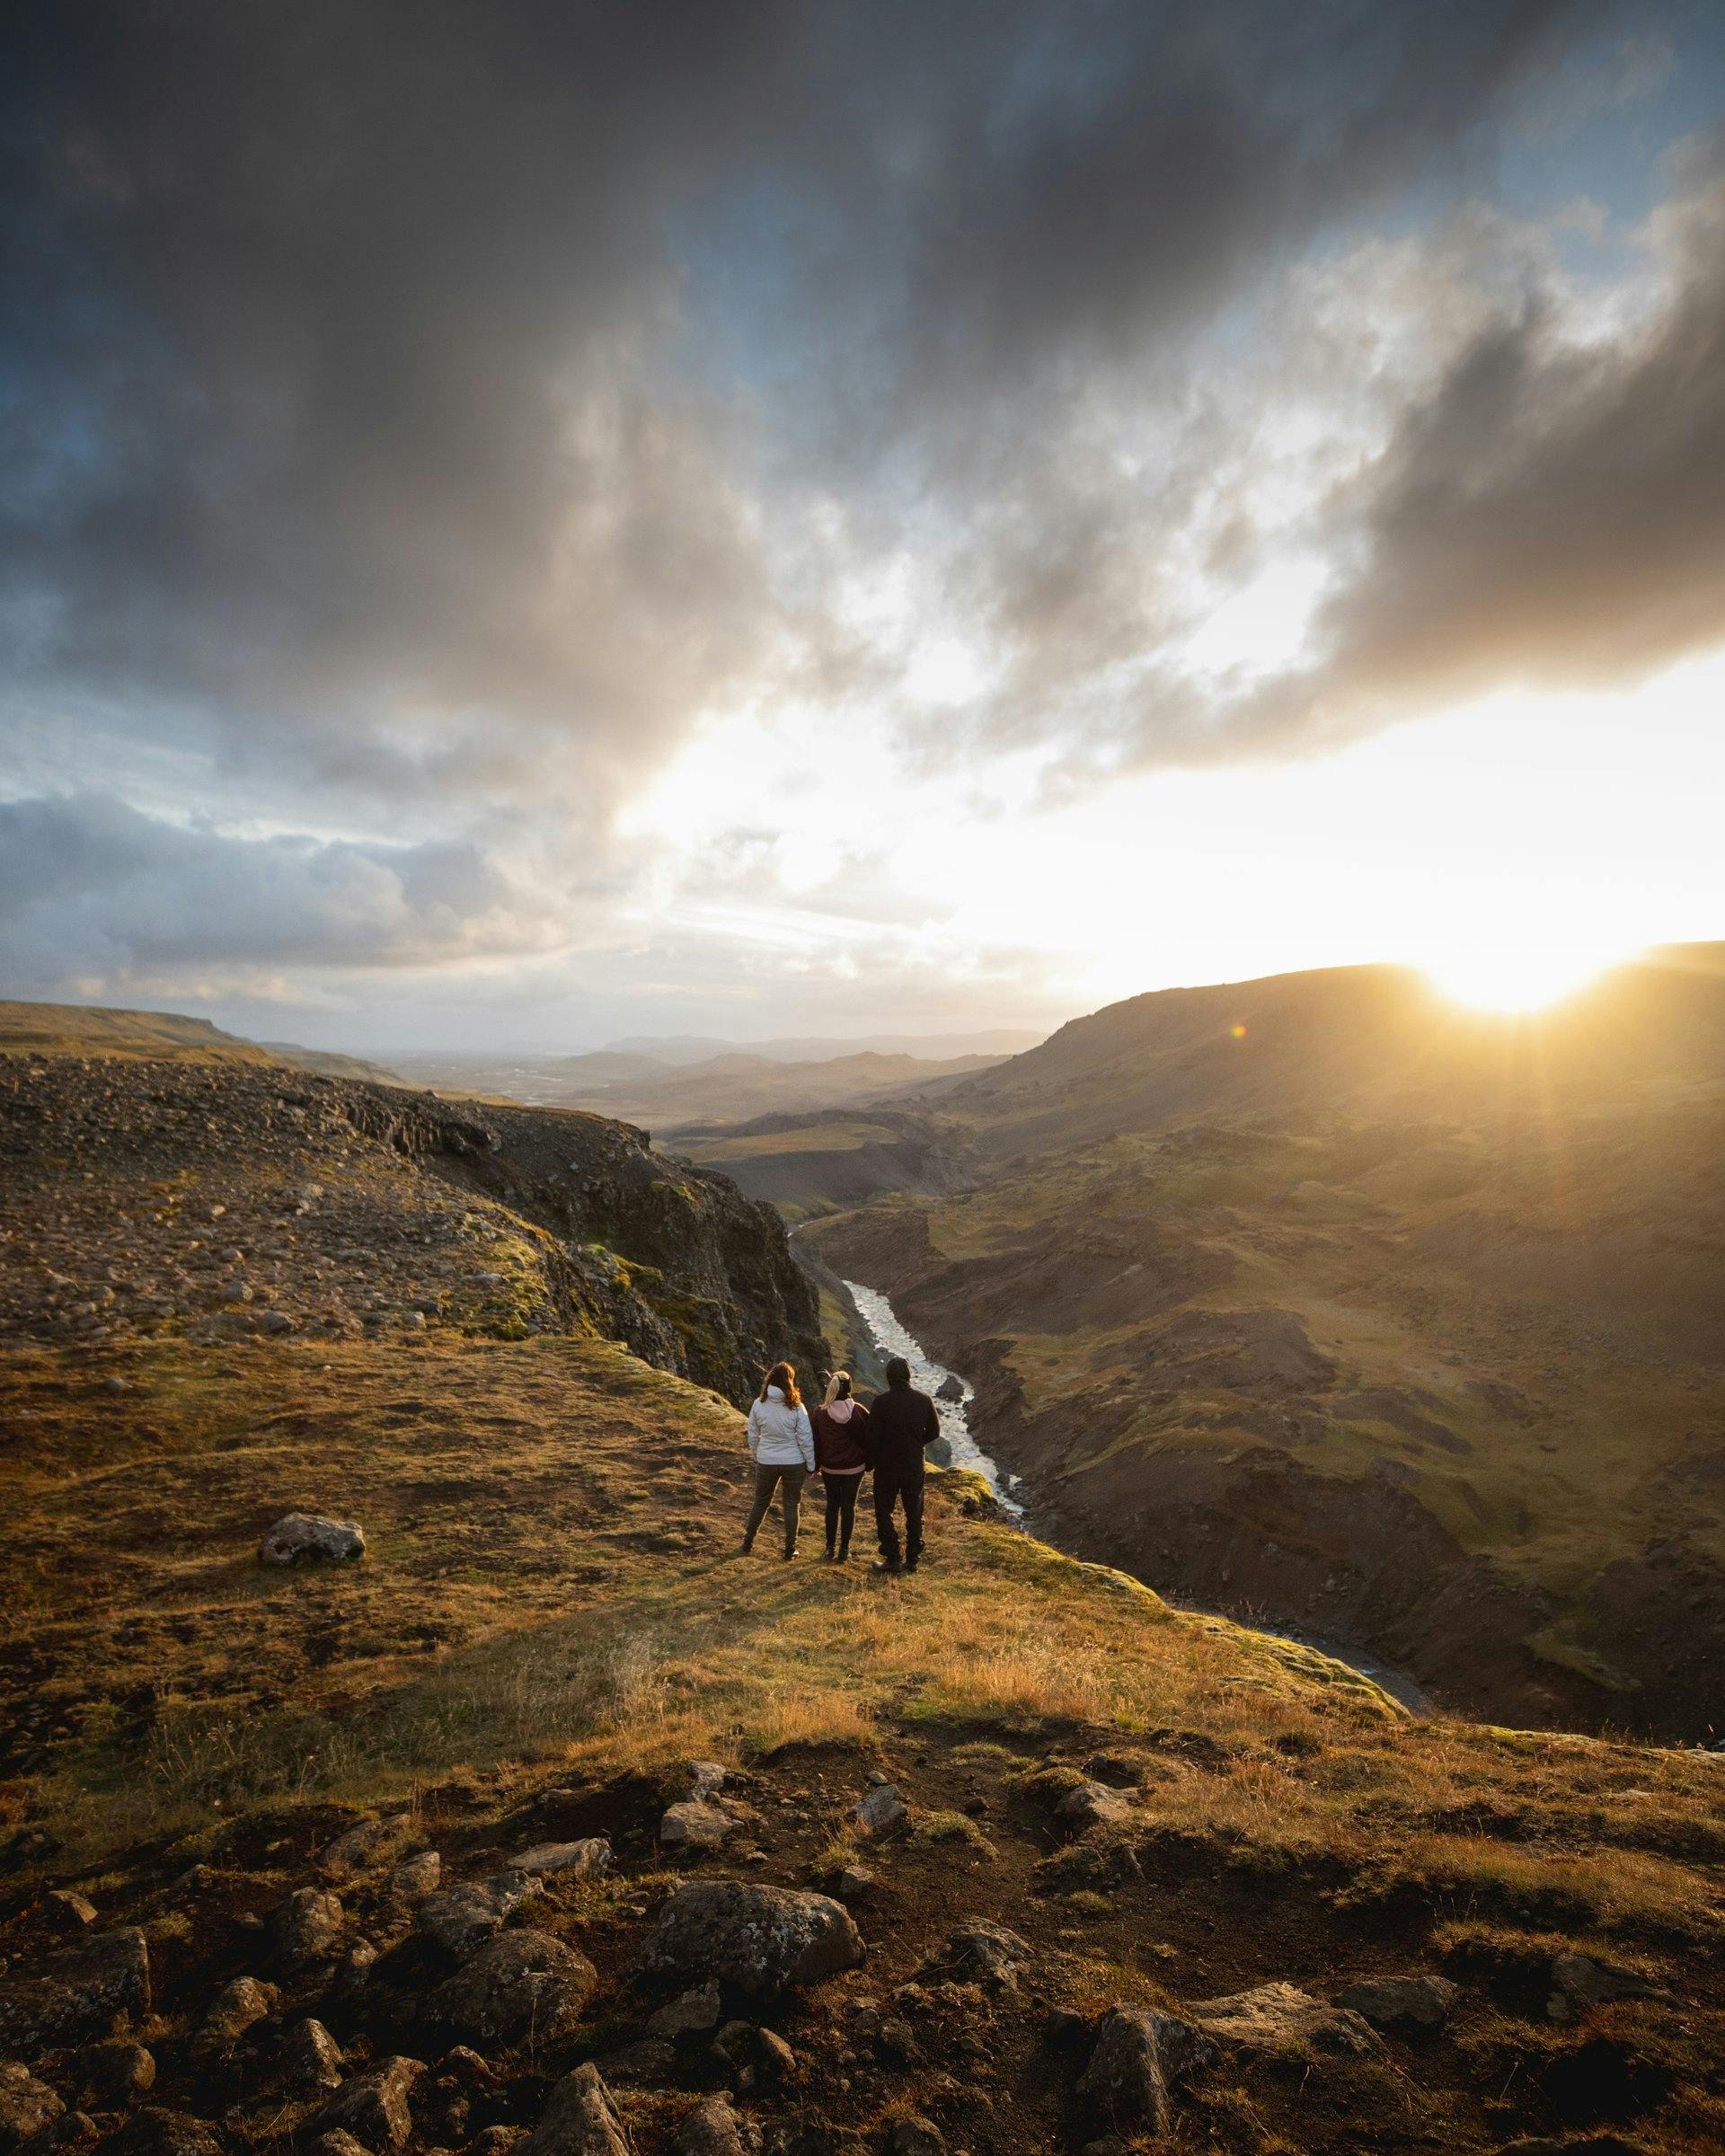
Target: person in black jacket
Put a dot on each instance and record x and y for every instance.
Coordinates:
(902, 1423)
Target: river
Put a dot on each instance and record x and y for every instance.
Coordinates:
(892, 1337)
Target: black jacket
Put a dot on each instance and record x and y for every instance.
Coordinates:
(901, 1422)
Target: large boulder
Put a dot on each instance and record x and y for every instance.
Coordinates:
(311, 2060)
(300, 1537)
(580, 2120)
(26, 2104)
(1280, 2018)
(158, 2130)
(881, 1813)
(238, 2006)
(520, 1986)
(978, 1948)
(710, 2130)
(694, 1824)
(367, 1842)
(373, 2106)
(1137, 2058)
(1092, 1804)
(307, 1926)
(75, 1993)
(584, 1860)
(762, 1940)
(1418, 2002)
(461, 1919)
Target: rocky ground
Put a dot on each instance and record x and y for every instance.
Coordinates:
(223, 1202)
(403, 1850)
(546, 1823)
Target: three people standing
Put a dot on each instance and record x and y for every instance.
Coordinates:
(843, 1443)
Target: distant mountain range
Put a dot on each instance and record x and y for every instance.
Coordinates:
(929, 1048)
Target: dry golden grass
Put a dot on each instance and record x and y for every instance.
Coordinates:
(553, 1590)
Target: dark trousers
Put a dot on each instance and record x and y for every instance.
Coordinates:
(841, 1510)
(889, 1490)
(788, 1481)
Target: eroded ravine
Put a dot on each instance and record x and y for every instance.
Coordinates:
(892, 1337)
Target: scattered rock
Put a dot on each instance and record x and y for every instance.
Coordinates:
(373, 2106)
(301, 1537)
(882, 1813)
(710, 2130)
(694, 1824)
(74, 1994)
(1584, 1980)
(117, 2072)
(463, 1918)
(307, 1926)
(311, 2059)
(520, 1986)
(856, 1883)
(977, 1947)
(951, 1387)
(338, 2142)
(1280, 2018)
(158, 2131)
(417, 1876)
(580, 2120)
(1092, 1804)
(495, 2141)
(26, 2104)
(918, 2136)
(1138, 2057)
(707, 1778)
(1385, 2002)
(352, 1970)
(577, 1859)
(235, 2008)
(693, 2013)
(365, 1842)
(760, 1938)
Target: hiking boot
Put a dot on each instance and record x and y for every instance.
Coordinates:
(885, 1564)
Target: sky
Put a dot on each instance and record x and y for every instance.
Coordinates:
(521, 524)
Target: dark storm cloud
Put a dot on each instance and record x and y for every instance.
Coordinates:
(1555, 513)
(432, 412)
(90, 888)
(352, 396)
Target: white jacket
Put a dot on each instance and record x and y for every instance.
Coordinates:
(779, 1434)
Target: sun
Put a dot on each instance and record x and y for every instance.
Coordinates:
(1513, 975)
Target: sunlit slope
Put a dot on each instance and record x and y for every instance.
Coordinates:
(1418, 1339)
(1359, 1040)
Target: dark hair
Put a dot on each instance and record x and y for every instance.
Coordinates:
(784, 1376)
(897, 1371)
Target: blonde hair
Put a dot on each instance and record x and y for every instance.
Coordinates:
(838, 1387)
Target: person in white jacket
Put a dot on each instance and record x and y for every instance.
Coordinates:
(782, 1445)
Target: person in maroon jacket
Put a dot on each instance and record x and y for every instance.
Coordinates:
(842, 1459)
(902, 1423)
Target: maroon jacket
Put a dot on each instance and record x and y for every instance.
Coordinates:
(844, 1446)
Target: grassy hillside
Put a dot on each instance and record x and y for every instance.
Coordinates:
(1384, 1321)
(550, 1621)
(89, 1029)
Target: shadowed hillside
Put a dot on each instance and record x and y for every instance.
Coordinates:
(1317, 1298)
